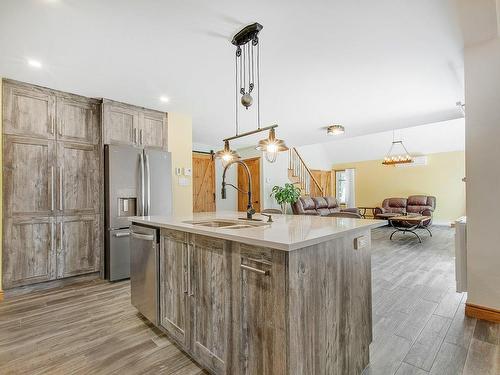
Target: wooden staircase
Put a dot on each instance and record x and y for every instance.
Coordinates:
(299, 174)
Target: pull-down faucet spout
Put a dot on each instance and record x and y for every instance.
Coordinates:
(250, 209)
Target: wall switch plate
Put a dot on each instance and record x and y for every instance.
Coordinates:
(360, 242)
(183, 181)
(178, 171)
(187, 171)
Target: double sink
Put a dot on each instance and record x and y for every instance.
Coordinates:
(227, 224)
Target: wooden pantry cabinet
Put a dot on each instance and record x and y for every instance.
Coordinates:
(126, 124)
(52, 184)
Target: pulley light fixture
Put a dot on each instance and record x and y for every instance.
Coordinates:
(247, 77)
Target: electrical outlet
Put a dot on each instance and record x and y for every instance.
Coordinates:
(360, 242)
(187, 171)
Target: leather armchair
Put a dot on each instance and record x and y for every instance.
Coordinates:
(390, 207)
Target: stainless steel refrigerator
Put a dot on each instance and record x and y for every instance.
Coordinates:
(138, 182)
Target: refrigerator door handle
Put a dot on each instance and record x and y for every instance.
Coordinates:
(148, 188)
(142, 211)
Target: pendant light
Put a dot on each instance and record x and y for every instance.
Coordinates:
(394, 157)
(271, 146)
(247, 71)
(226, 154)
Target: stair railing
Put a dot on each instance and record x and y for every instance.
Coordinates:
(302, 172)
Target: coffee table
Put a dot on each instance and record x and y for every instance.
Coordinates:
(409, 223)
(362, 211)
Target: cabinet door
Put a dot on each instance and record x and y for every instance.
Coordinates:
(79, 239)
(210, 299)
(152, 130)
(28, 176)
(120, 124)
(259, 311)
(174, 317)
(28, 251)
(28, 110)
(78, 120)
(79, 178)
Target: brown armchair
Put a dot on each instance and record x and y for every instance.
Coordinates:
(321, 206)
(390, 207)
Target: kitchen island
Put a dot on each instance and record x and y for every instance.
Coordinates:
(292, 296)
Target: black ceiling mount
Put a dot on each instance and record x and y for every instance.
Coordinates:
(247, 34)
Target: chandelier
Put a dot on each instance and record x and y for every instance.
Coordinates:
(247, 78)
(398, 154)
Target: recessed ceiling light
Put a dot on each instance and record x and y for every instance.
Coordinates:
(164, 99)
(34, 63)
(335, 130)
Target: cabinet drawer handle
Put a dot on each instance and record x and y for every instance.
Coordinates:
(256, 270)
(140, 135)
(52, 188)
(135, 135)
(190, 271)
(61, 198)
(122, 234)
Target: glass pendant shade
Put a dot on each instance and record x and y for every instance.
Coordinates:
(226, 154)
(270, 146)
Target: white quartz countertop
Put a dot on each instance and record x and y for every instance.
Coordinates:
(286, 232)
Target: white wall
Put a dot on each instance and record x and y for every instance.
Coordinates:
(482, 98)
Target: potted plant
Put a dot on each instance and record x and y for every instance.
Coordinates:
(286, 194)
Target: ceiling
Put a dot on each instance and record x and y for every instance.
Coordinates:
(368, 65)
(446, 136)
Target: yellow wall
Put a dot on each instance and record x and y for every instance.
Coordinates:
(180, 144)
(441, 177)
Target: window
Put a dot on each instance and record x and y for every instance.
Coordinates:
(340, 186)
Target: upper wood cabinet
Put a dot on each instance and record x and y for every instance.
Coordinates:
(28, 110)
(120, 123)
(135, 126)
(78, 119)
(153, 129)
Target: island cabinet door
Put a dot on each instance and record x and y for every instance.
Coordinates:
(210, 293)
(174, 312)
(259, 320)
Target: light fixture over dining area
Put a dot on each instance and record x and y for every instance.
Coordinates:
(247, 77)
(398, 154)
(335, 130)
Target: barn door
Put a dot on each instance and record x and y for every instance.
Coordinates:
(203, 183)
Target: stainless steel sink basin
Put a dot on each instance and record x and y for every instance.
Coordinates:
(225, 224)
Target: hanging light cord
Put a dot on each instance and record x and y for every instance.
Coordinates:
(258, 84)
(236, 91)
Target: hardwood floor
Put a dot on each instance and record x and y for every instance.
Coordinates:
(419, 323)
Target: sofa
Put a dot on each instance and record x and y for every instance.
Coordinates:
(322, 206)
(416, 204)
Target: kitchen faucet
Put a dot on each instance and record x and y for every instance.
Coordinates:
(250, 209)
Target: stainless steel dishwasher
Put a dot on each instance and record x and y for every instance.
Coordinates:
(144, 271)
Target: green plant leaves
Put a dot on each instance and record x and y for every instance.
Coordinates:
(287, 194)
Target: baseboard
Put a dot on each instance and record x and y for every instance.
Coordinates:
(483, 313)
